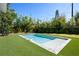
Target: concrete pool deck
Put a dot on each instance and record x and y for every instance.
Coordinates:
(54, 46)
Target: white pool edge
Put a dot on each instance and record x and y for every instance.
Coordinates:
(46, 47)
(64, 45)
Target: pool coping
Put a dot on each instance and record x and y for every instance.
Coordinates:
(46, 47)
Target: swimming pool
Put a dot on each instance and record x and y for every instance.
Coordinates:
(39, 38)
(50, 43)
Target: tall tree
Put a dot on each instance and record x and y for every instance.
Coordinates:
(72, 22)
(3, 23)
(77, 18)
(17, 25)
(6, 20)
(72, 10)
(8, 6)
(26, 24)
(56, 14)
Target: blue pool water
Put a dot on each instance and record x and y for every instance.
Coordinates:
(39, 38)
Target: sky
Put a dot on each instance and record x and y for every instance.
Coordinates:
(44, 11)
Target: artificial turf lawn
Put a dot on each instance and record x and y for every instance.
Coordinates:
(13, 45)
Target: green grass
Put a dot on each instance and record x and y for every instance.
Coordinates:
(13, 45)
(16, 46)
(72, 49)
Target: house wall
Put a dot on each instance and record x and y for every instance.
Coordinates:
(3, 7)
